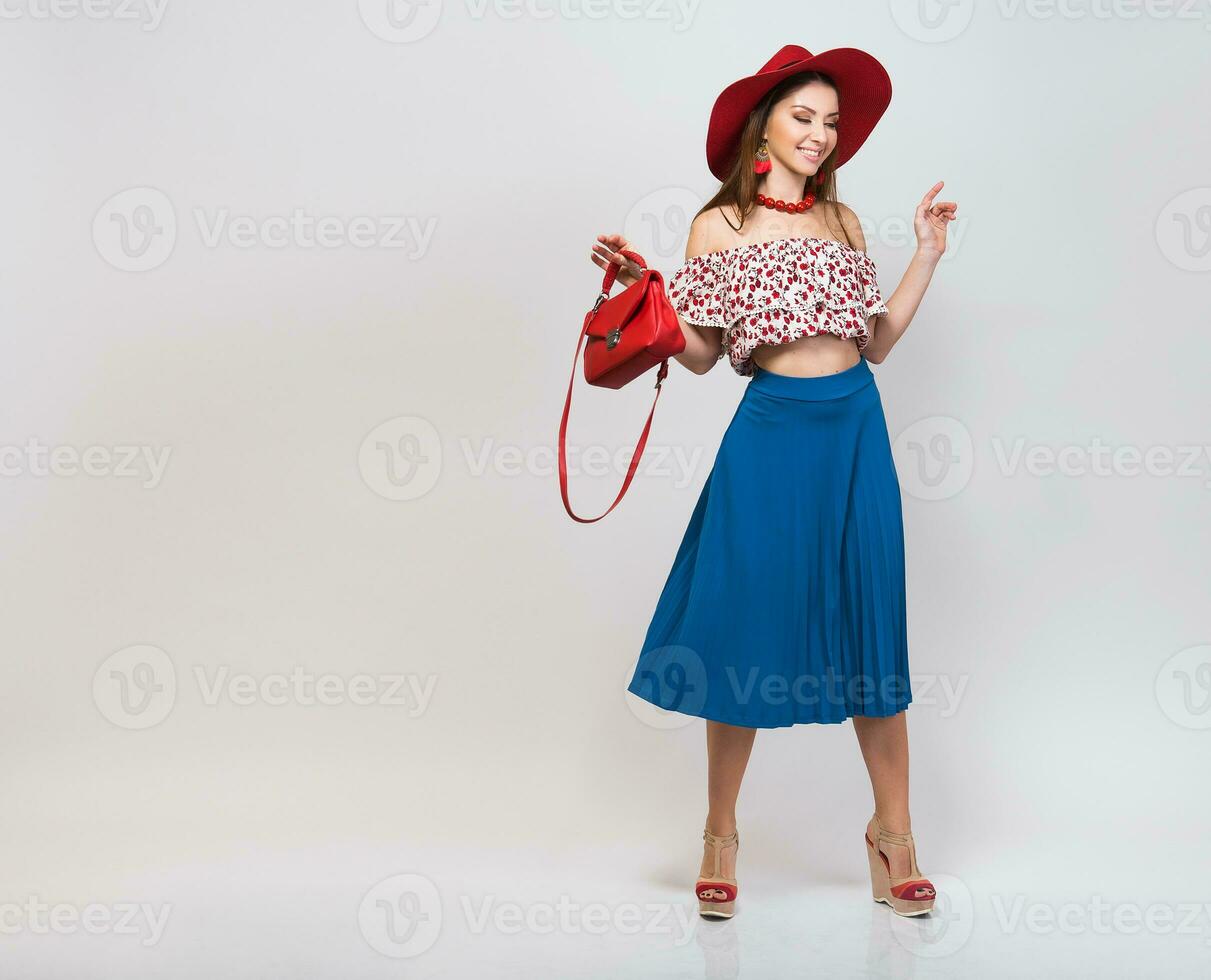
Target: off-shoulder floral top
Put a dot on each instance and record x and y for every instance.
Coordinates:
(777, 291)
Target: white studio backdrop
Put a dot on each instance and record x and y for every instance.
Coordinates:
(306, 672)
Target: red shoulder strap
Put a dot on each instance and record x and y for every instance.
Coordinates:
(563, 429)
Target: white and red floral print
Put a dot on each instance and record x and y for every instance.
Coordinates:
(777, 291)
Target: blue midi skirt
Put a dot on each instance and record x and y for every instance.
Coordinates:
(785, 604)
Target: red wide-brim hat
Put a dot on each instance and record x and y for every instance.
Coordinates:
(864, 91)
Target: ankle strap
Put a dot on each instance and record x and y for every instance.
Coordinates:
(891, 838)
(887, 835)
(718, 843)
(904, 840)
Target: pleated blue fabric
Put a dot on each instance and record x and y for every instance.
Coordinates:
(785, 603)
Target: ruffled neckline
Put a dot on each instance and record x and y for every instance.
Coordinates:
(778, 241)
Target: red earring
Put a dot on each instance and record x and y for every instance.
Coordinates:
(762, 165)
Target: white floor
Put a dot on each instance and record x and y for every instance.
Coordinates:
(356, 910)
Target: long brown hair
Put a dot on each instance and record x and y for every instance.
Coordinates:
(739, 188)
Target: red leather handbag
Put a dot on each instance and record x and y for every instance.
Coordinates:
(627, 335)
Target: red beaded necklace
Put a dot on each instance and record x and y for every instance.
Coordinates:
(795, 208)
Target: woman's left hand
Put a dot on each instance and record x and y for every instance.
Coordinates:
(931, 220)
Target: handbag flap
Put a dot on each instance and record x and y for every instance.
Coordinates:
(617, 311)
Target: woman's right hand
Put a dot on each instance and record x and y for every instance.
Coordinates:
(607, 251)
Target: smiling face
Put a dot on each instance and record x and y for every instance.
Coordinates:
(802, 127)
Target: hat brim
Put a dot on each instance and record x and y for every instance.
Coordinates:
(864, 91)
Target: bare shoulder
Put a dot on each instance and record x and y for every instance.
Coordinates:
(849, 221)
(707, 233)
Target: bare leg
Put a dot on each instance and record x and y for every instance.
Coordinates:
(728, 748)
(884, 744)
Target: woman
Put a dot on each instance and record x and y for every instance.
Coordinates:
(785, 603)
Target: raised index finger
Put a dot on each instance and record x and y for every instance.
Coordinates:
(932, 193)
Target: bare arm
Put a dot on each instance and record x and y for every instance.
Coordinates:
(703, 345)
(901, 306)
(930, 224)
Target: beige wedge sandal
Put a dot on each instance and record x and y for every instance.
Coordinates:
(911, 895)
(716, 894)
